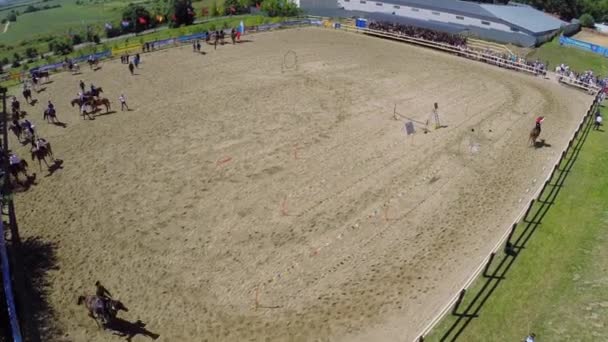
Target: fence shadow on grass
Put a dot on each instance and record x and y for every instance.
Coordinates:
(531, 221)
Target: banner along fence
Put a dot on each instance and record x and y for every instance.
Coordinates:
(600, 50)
(455, 300)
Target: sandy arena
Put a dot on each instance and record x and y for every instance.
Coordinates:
(244, 201)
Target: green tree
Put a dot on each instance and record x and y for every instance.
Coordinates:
(61, 46)
(275, 8)
(587, 20)
(183, 12)
(138, 16)
(31, 52)
(4, 61)
(12, 16)
(76, 39)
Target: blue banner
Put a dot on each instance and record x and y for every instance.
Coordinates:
(160, 43)
(600, 50)
(183, 39)
(98, 55)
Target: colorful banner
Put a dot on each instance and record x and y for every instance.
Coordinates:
(600, 50)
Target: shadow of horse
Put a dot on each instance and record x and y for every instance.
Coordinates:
(129, 330)
(57, 165)
(541, 143)
(60, 124)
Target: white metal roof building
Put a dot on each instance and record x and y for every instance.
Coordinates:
(514, 23)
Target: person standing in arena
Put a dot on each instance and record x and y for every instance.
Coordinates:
(131, 68)
(123, 102)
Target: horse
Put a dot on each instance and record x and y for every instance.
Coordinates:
(27, 94)
(74, 68)
(534, 135)
(98, 102)
(15, 105)
(93, 63)
(16, 169)
(16, 128)
(102, 309)
(95, 93)
(41, 74)
(41, 153)
(50, 114)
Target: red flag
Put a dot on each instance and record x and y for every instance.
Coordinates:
(142, 20)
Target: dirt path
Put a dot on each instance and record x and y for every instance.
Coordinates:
(242, 201)
(594, 38)
(6, 26)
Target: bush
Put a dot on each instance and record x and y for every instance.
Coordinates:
(280, 8)
(4, 61)
(76, 39)
(12, 16)
(183, 12)
(15, 64)
(133, 13)
(31, 52)
(30, 9)
(3, 21)
(61, 47)
(587, 20)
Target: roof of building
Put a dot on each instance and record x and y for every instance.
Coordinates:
(527, 18)
(454, 6)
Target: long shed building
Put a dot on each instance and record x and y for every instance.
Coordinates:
(513, 23)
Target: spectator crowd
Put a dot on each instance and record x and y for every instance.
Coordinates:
(587, 77)
(460, 42)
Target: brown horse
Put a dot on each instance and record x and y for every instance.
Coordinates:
(16, 169)
(102, 309)
(27, 94)
(98, 102)
(16, 128)
(534, 135)
(93, 63)
(41, 153)
(41, 74)
(95, 93)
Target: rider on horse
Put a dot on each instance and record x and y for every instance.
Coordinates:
(51, 108)
(539, 121)
(14, 159)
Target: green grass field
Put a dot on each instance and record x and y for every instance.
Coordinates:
(578, 60)
(557, 286)
(60, 20)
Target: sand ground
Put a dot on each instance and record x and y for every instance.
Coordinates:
(595, 38)
(234, 179)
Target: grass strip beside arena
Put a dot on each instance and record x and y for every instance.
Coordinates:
(556, 287)
(578, 60)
